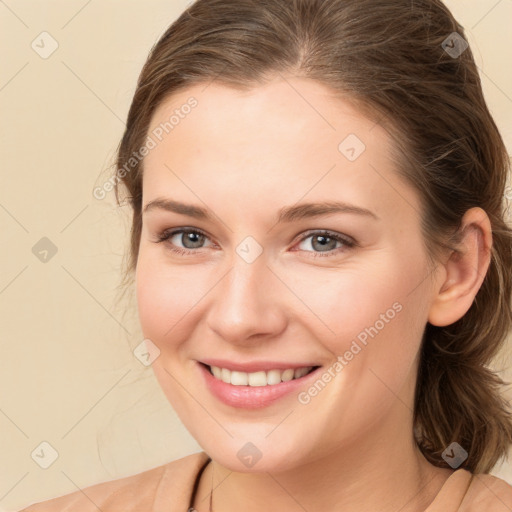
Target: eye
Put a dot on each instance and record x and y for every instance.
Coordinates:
(191, 238)
(326, 243)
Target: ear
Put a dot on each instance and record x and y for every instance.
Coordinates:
(464, 270)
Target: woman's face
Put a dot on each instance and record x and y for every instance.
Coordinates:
(261, 282)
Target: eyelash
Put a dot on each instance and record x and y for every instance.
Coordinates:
(348, 243)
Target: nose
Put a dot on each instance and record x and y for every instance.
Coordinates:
(248, 304)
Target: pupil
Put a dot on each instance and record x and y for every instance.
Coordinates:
(324, 240)
(189, 238)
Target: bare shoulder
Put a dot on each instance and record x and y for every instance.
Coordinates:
(489, 493)
(142, 491)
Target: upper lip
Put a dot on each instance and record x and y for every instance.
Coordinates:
(254, 366)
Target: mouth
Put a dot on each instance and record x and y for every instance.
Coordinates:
(260, 378)
(257, 389)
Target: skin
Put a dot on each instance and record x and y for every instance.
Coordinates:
(243, 156)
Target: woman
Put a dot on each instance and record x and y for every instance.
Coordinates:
(322, 263)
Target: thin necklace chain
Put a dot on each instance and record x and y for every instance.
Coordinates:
(211, 493)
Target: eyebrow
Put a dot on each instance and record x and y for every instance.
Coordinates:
(285, 214)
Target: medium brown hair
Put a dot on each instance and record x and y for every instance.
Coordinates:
(392, 60)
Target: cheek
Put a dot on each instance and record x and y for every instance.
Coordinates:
(343, 302)
(371, 314)
(166, 297)
(377, 334)
(172, 302)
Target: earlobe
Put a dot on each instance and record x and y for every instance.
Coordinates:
(465, 270)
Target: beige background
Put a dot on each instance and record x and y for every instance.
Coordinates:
(67, 372)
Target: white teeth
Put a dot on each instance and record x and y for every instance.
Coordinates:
(225, 376)
(260, 378)
(239, 378)
(300, 372)
(256, 378)
(287, 375)
(273, 377)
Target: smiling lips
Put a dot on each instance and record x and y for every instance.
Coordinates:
(256, 388)
(256, 373)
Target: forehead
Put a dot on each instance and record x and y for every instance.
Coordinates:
(290, 138)
(293, 108)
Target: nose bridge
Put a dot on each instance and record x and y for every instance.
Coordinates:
(245, 302)
(244, 286)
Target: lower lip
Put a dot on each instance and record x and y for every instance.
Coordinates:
(252, 397)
